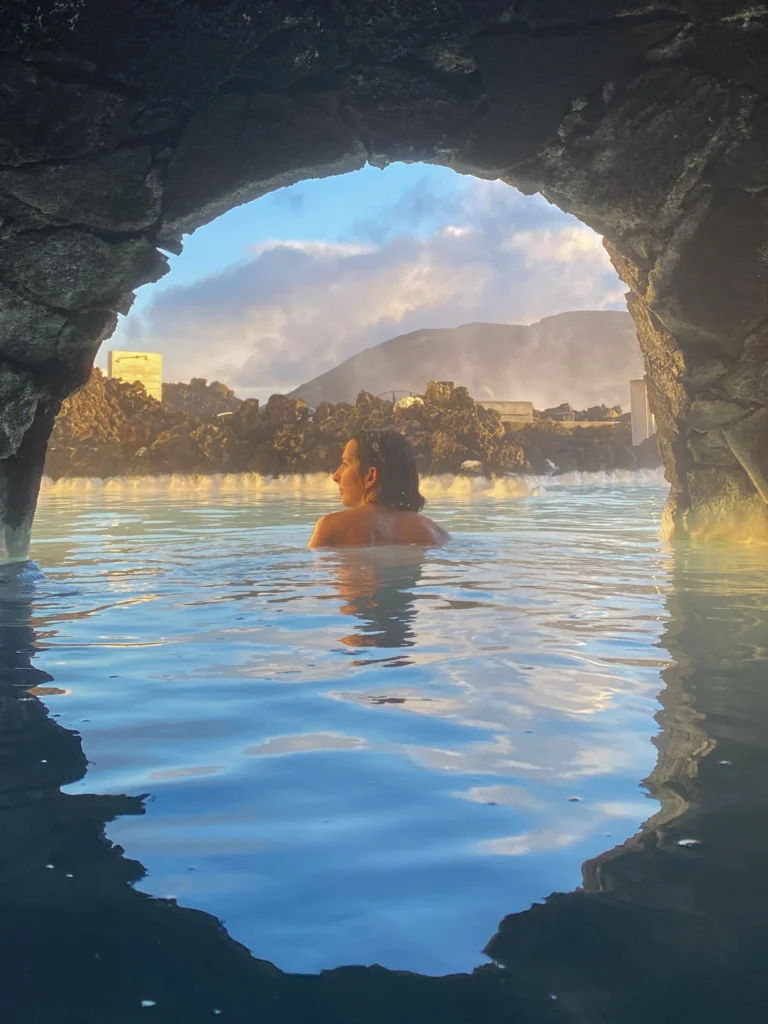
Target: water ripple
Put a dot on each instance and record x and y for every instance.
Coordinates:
(343, 742)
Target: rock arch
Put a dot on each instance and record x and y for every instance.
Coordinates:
(124, 125)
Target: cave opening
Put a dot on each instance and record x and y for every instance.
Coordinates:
(128, 130)
(291, 285)
(132, 124)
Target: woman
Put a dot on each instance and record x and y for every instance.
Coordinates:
(379, 488)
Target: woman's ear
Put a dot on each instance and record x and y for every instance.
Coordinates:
(371, 477)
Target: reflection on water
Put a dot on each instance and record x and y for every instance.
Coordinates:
(377, 588)
(350, 760)
(671, 924)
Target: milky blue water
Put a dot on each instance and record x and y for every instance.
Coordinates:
(360, 757)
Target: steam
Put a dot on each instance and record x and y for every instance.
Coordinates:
(320, 485)
(746, 523)
(297, 309)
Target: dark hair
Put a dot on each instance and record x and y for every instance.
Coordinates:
(393, 457)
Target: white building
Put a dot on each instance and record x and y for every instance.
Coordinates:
(643, 425)
(511, 412)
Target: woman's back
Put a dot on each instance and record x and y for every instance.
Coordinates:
(376, 524)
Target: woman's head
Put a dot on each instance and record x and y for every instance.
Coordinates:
(379, 466)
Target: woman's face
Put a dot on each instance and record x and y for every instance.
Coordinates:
(354, 488)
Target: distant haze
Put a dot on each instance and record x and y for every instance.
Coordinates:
(585, 358)
(264, 312)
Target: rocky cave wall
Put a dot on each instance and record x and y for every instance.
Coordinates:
(124, 126)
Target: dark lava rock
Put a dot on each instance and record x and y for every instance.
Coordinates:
(110, 428)
(201, 399)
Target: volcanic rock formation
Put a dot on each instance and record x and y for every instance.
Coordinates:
(110, 428)
(124, 126)
(201, 399)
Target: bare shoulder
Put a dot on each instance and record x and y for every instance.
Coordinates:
(326, 531)
(439, 535)
(371, 524)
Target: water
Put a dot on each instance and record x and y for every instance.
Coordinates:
(381, 757)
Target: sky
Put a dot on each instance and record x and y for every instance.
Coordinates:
(281, 289)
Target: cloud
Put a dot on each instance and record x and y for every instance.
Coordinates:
(421, 209)
(313, 248)
(569, 245)
(572, 825)
(296, 309)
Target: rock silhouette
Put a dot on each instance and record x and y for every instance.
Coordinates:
(658, 930)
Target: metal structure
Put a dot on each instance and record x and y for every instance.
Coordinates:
(401, 393)
(143, 367)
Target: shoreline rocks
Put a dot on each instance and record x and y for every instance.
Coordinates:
(110, 428)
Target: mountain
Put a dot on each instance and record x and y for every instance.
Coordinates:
(585, 358)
